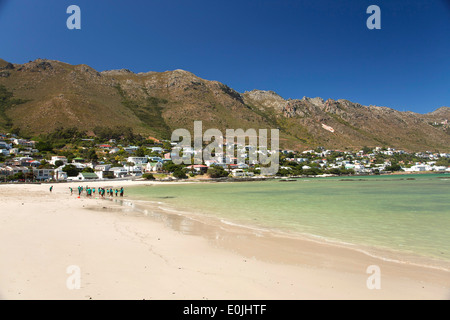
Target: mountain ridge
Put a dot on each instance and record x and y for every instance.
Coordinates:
(59, 94)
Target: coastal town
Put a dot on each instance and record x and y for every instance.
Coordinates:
(86, 158)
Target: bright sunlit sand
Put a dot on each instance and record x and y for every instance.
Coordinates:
(126, 254)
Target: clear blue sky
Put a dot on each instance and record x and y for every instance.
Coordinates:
(293, 47)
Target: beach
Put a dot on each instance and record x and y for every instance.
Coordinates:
(124, 254)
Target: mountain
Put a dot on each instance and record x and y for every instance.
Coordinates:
(51, 94)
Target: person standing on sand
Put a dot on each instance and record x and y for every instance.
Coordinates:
(51, 188)
(71, 190)
(121, 192)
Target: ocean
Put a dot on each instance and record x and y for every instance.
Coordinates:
(403, 218)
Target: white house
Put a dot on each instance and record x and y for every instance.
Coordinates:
(418, 168)
(359, 168)
(60, 175)
(135, 170)
(102, 167)
(241, 173)
(58, 158)
(119, 172)
(137, 160)
(154, 167)
(157, 149)
(78, 165)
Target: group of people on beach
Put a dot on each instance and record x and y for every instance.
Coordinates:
(109, 192)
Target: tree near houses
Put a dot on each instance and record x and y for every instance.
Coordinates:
(217, 172)
(58, 163)
(179, 174)
(71, 170)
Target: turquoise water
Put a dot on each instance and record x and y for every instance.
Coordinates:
(405, 213)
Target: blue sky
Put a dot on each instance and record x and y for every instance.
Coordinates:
(293, 47)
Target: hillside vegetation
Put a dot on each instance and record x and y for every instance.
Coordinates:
(43, 95)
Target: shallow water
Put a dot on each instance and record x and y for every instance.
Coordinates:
(407, 214)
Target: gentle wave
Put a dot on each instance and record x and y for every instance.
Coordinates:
(257, 230)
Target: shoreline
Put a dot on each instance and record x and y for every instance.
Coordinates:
(123, 254)
(215, 223)
(225, 179)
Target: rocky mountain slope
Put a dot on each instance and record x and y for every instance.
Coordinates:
(50, 94)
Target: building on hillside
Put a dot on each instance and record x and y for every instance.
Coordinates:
(114, 150)
(4, 145)
(23, 143)
(157, 149)
(130, 149)
(137, 160)
(22, 161)
(135, 170)
(43, 174)
(102, 167)
(119, 172)
(63, 159)
(154, 167)
(12, 170)
(78, 160)
(33, 163)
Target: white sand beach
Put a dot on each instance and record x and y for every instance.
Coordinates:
(126, 255)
